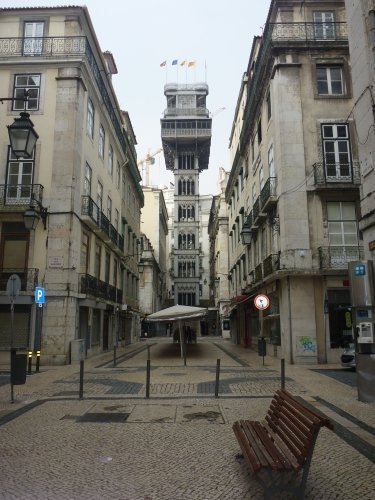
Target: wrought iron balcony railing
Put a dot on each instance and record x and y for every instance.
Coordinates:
(28, 277)
(268, 193)
(271, 264)
(337, 257)
(258, 274)
(186, 112)
(43, 46)
(98, 288)
(20, 194)
(312, 32)
(337, 173)
(91, 209)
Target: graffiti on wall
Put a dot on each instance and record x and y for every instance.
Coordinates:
(306, 345)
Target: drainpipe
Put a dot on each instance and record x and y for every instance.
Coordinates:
(290, 323)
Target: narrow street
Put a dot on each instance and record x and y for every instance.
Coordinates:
(115, 443)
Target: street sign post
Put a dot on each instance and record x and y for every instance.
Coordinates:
(39, 295)
(261, 302)
(13, 289)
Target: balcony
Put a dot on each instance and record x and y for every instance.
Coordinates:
(258, 272)
(337, 257)
(190, 133)
(20, 196)
(28, 277)
(95, 218)
(268, 198)
(337, 175)
(271, 264)
(311, 32)
(188, 112)
(43, 46)
(90, 285)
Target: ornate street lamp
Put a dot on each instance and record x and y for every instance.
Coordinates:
(246, 236)
(22, 136)
(32, 216)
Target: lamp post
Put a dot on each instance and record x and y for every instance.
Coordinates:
(31, 217)
(22, 135)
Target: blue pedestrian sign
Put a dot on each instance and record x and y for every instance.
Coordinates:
(39, 295)
(359, 270)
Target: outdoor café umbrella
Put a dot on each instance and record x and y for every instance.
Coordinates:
(178, 313)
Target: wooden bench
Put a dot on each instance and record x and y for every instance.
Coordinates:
(279, 449)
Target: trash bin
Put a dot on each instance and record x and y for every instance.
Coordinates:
(77, 350)
(262, 348)
(18, 368)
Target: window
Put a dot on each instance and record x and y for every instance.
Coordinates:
(324, 26)
(85, 247)
(90, 118)
(342, 223)
(259, 131)
(110, 161)
(101, 141)
(261, 178)
(19, 179)
(99, 195)
(330, 80)
(269, 108)
(98, 258)
(336, 151)
(117, 216)
(186, 161)
(33, 38)
(30, 84)
(87, 181)
(109, 208)
(107, 266)
(118, 175)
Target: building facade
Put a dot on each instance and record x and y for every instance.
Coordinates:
(153, 260)
(293, 190)
(82, 179)
(361, 30)
(186, 140)
(218, 256)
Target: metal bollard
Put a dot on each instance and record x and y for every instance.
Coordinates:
(148, 372)
(114, 356)
(217, 378)
(37, 362)
(29, 361)
(81, 369)
(283, 373)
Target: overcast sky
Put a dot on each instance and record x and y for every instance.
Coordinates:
(141, 34)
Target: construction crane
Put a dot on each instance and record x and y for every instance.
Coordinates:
(217, 111)
(147, 161)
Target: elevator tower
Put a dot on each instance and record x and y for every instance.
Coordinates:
(186, 139)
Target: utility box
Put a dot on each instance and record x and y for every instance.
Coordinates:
(18, 368)
(77, 350)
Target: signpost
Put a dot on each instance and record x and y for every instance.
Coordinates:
(261, 302)
(13, 289)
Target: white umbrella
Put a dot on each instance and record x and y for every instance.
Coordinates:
(178, 313)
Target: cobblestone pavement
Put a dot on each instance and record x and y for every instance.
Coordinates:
(177, 444)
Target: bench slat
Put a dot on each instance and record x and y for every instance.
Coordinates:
(277, 455)
(249, 454)
(255, 443)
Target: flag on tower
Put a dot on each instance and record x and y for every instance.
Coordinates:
(191, 63)
(164, 63)
(174, 62)
(184, 63)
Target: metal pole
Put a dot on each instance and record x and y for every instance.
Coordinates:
(185, 347)
(11, 350)
(81, 369)
(30, 360)
(217, 378)
(283, 373)
(114, 356)
(261, 330)
(148, 371)
(37, 361)
(148, 352)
